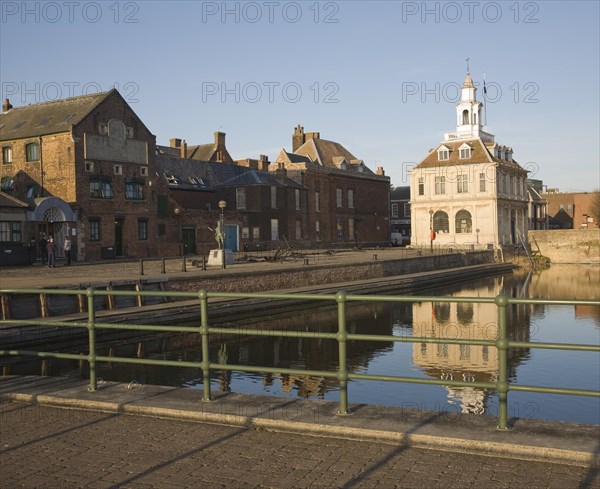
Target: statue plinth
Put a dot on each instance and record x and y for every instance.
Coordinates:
(215, 257)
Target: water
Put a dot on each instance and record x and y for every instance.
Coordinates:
(567, 324)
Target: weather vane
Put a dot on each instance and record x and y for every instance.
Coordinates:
(467, 60)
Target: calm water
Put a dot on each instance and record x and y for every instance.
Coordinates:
(477, 363)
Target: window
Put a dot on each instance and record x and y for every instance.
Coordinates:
(338, 197)
(103, 129)
(134, 190)
(273, 197)
(10, 231)
(297, 198)
(351, 199)
(350, 228)
(274, 229)
(245, 232)
(482, 182)
(32, 152)
(6, 184)
(441, 312)
(7, 155)
(465, 117)
(298, 230)
(407, 210)
(129, 132)
(421, 185)
(142, 229)
(94, 229)
(317, 202)
(256, 232)
(440, 185)
(33, 191)
(463, 223)
(440, 222)
(144, 171)
(443, 154)
(240, 198)
(465, 352)
(101, 189)
(394, 210)
(89, 166)
(318, 230)
(464, 313)
(118, 169)
(462, 185)
(465, 153)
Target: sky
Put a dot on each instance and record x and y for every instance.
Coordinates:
(380, 77)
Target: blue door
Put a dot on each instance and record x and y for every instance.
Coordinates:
(231, 237)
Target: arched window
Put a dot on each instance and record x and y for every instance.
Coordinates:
(440, 222)
(465, 117)
(463, 224)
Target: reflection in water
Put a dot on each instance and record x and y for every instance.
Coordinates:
(470, 363)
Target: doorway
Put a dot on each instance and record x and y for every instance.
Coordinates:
(231, 237)
(188, 240)
(118, 237)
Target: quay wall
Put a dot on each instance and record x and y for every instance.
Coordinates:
(328, 274)
(567, 245)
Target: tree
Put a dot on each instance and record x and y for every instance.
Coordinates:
(595, 208)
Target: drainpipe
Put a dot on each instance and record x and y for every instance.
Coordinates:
(41, 167)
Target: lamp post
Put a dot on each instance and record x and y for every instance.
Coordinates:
(222, 205)
(431, 229)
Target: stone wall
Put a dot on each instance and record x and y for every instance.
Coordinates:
(568, 245)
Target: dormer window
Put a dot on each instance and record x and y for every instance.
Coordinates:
(103, 129)
(465, 151)
(443, 153)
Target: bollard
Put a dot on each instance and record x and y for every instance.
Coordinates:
(162, 265)
(183, 264)
(203, 262)
(141, 266)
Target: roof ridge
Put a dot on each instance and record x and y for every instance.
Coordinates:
(101, 95)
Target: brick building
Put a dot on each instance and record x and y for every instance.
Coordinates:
(570, 210)
(400, 216)
(83, 165)
(261, 210)
(348, 204)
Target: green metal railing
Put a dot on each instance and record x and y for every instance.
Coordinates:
(502, 343)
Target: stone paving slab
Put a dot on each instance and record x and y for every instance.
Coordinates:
(531, 440)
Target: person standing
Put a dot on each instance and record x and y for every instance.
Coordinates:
(44, 248)
(51, 251)
(67, 248)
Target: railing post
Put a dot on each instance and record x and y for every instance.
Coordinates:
(502, 346)
(92, 338)
(183, 264)
(342, 337)
(205, 364)
(141, 266)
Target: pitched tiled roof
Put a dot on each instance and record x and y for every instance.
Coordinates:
(400, 193)
(255, 177)
(328, 153)
(202, 152)
(480, 154)
(47, 117)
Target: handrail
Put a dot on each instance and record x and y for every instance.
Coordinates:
(503, 344)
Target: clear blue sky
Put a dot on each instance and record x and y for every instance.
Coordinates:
(379, 77)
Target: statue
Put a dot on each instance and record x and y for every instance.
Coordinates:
(219, 235)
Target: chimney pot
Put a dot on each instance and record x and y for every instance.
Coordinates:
(183, 149)
(175, 142)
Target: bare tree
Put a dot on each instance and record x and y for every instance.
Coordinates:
(595, 208)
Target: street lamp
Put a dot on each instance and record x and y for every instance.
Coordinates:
(431, 229)
(221, 233)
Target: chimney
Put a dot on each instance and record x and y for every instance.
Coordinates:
(281, 172)
(313, 135)
(6, 106)
(380, 171)
(183, 149)
(174, 142)
(298, 138)
(219, 138)
(263, 163)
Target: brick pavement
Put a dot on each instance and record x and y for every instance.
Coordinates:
(47, 447)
